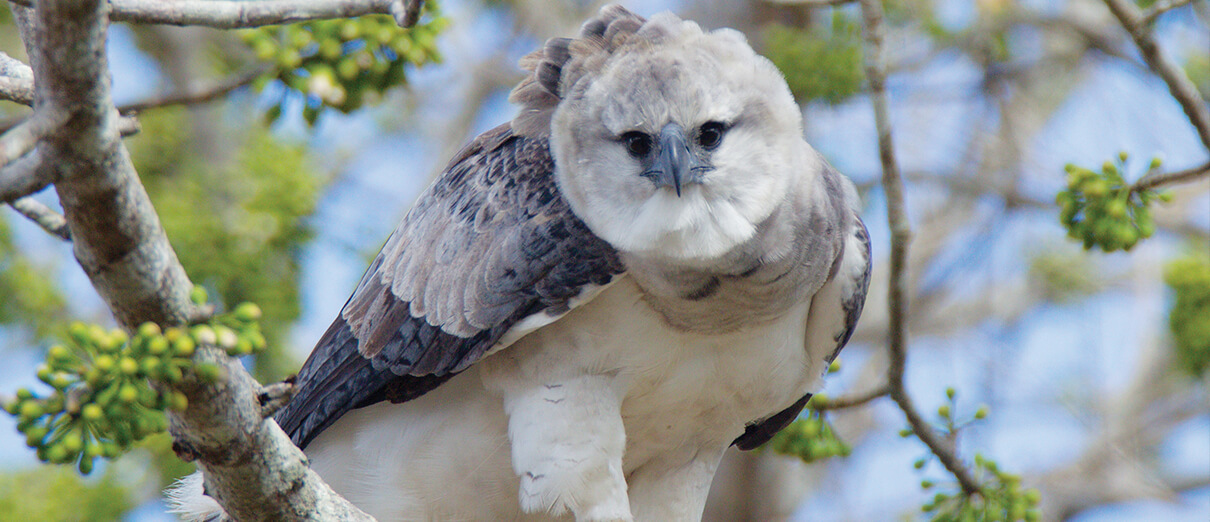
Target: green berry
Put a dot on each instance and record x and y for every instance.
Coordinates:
(92, 412)
(247, 312)
(128, 366)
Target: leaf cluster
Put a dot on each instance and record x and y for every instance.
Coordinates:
(1103, 210)
(1000, 498)
(110, 389)
(340, 63)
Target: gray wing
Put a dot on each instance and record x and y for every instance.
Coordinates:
(851, 303)
(490, 244)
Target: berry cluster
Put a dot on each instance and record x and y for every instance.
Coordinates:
(339, 63)
(1102, 209)
(110, 389)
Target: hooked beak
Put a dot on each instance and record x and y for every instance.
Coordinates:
(676, 165)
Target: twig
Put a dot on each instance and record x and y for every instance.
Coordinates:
(1160, 179)
(234, 14)
(901, 235)
(852, 401)
(48, 219)
(199, 95)
(22, 177)
(16, 80)
(1161, 7)
(24, 136)
(1178, 84)
(812, 3)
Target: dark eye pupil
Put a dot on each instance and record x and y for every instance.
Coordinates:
(637, 143)
(710, 135)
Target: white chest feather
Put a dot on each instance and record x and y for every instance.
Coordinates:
(454, 453)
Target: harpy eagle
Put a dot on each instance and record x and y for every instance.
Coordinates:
(595, 300)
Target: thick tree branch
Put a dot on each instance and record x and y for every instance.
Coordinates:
(234, 14)
(901, 236)
(1178, 84)
(50, 221)
(250, 464)
(117, 237)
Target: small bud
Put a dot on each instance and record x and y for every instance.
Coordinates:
(834, 367)
(157, 346)
(30, 410)
(950, 392)
(226, 337)
(248, 312)
(918, 464)
(183, 347)
(149, 329)
(981, 413)
(1156, 163)
(177, 401)
(128, 393)
(1123, 156)
(128, 366)
(198, 294)
(905, 432)
(92, 412)
(204, 334)
(944, 411)
(104, 363)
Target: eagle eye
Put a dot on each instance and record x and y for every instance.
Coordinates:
(711, 134)
(638, 144)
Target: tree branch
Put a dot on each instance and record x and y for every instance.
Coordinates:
(1161, 7)
(1160, 179)
(1178, 84)
(195, 96)
(22, 177)
(234, 14)
(16, 80)
(249, 464)
(253, 469)
(901, 236)
(50, 221)
(852, 401)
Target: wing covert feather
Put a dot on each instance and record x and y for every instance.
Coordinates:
(489, 244)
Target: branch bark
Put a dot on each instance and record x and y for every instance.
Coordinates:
(235, 14)
(254, 470)
(901, 236)
(1169, 178)
(1178, 84)
(50, 221)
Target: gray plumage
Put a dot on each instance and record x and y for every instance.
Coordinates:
(593, 301)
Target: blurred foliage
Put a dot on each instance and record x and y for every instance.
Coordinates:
(819, 63)
(1103, 210)
(23, 496)
(1063, 275)
(1189, 278)
(1197, 67)
(987, 39)
(110, 390)
(342, 63)
(31, 299)
(238, 229)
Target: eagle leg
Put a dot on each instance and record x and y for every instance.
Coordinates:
(567, 442)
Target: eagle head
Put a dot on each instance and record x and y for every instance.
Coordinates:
(674, 142)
